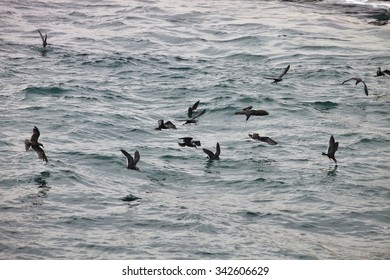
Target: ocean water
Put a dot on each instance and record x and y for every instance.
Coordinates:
(112, 69)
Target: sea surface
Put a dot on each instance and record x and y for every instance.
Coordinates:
(112, 69)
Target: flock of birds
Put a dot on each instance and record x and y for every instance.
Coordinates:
(192, 119)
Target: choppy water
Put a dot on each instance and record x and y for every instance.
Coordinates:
(112, 69)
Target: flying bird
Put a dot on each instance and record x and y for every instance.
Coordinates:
(131, 162)
(187, 141)
(358, 80)
(193, 119)
(333, 146)
(35, 145)
(212, 155)
(248, 111)
(265, 139)
(165, 125)
(379, 72)
(279, 79)
(44, 39)
(192, 109)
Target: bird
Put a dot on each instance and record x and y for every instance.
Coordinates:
(358, 80)
(268, 140)
(187, 141)
(35, 145)
(192, 119)
(165, 125)
(212, 155)
(192, 109)
(379, 72)
(131, 162)
(279, 79)
(333, 146)
(248, 111)
(44, 39)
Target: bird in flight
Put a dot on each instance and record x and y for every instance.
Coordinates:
(279, 79)
(192, 109)
(265, 139)
(333, 146)
(193, 119)
(187, 141)
(35, 145)
(212, 155)
(358, 80)
(165, 125)
(44, 39)
(131, 162)
(248, 111)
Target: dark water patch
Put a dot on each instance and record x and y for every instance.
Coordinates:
(324, 105)
(45, 91)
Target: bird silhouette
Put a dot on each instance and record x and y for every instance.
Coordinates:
(192, 109)
(248, 111)
(44, 39)
(187, 141)
(211, 155)
(379, 72)
(333, 146)
(265, 139)
(279, 79)
(165, 125)
(193, 119)
(35, 145)
(131, 162)
(358, 80)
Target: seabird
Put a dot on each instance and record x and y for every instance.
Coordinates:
(268, 140)
(192, 120)
(379, 72)
(192, 109)
(211, 155)
(333, 146)
(358, 80)
(279, 79)
(187, 141)
(35, 145)
(247, 111)
(44, 39)
(165, 125)
(131, 162)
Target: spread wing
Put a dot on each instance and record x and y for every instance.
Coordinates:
(209, 153)
(285, 71)
(136, 157)
(198, 115)
(186, 140)
(40, 152)
(43, 39)
(195, 105)
(218, 151)
(35, 135)
(27, 144)
(259, 113)
(169, 124)
(349, 80)
(386, 72)
(130, 160)
(332, 146)
(268, 140)
(365, 88)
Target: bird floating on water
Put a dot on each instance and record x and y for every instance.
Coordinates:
(35, 145)
(333, 146)
(187, 141)
(358, 80)
(131, 162)
(165, 125)
(193, 119)
(379, 72)
(211, 155)
(44, 39)
(248, 111)
(279, 79)
(265, 139)
(192, 109)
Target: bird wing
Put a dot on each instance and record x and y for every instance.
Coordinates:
(27, 144)
(35, 135)
(218, 150)
(386, 72)
(195, 105)
(365, 88)
(209, 153)
(349, 80)
(332, 146)
(130, 160)
(169, 124)
(136, 157)
(268, 140)
(285, 71)
(196, 143)
(40, 152)
(43, 39)
(186, 140)
(247, 108)
(198, 115)
(259, 113)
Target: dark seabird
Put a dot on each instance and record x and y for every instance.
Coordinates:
(35, 145)
(358, 80)
(187, 141)
(333, 146)
(211, 155)
(192, 120)
(382, 73)
(165, 125)
(44, 39)
(192, 109)
(268, 140)
(247, 111)
(279, 79)
(131, 162)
